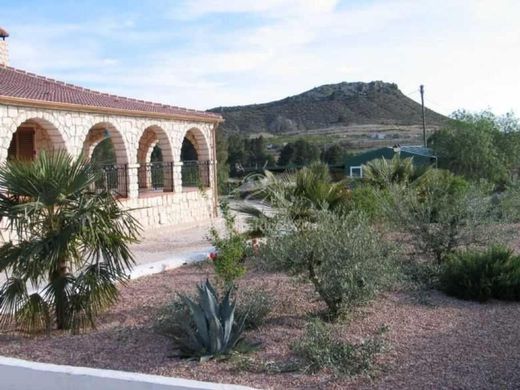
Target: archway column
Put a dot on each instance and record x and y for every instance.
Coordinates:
(132, 175)
(177, 176)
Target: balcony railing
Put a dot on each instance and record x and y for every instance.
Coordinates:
(113, 178)
(195, 173)
(155, 176)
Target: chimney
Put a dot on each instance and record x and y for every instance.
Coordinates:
(4, 55)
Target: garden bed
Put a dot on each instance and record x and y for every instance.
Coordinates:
(433, 341)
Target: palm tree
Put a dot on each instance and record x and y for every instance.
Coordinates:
(300, 194)
(382, 172)
(72, 244)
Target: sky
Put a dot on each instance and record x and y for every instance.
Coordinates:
(207, 53)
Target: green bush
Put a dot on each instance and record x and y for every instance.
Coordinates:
(255, 305)
(320, 349)
(494, 273)
(367, 199)
(347, 261)
(441, 213)
(231, 249)
(202, 327)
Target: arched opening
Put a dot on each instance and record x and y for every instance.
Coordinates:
(195, 160)
(154, 155)
(33, 136)
(105, 147)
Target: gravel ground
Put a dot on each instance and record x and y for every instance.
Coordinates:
(434, 342)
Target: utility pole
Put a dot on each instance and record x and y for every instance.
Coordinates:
(421, 89)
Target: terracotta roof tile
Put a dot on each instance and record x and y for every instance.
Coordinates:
(20, 84)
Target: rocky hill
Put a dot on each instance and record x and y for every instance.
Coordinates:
(333, 105)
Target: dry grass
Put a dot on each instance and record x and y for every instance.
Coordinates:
(435, 341)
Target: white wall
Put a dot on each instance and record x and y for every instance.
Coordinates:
(16, 374)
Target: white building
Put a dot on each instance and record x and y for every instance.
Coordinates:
(37, 113)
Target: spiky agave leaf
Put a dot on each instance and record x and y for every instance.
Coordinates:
(200, 328)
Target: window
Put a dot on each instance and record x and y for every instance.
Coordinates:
(356, 171)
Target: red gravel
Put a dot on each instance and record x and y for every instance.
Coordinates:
(434, 341)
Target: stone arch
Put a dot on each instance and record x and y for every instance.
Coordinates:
(100, 131)
(197, 138)
(195, 172)
(38, 133)
(159, 174)
(152, 136)
(113, 178)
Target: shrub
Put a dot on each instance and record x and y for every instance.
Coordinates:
(441, 213)
(203, 327)
(231, 249)
(494, 273)
(255, 305)
(319, 349)
(508, 203)
(367, 199)
(347, 261)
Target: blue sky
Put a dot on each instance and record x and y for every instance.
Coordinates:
(206, 53)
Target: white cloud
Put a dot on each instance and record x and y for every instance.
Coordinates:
(465, 52)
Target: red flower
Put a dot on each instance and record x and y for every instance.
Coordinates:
(212, 256)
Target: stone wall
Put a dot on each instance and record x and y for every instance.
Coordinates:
(77, 132)
(172, 208)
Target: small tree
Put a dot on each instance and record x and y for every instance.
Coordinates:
(345, 259)
(298, 153)
(440, 213)
(479, 145)
(333, 155)
(71, 242)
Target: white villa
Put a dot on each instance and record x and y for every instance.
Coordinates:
(38, 113)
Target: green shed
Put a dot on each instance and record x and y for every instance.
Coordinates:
(420, 154)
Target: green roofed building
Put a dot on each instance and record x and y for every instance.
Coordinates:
(421, 156)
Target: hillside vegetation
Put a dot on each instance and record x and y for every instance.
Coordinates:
(334, 105)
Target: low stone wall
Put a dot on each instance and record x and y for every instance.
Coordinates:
(19, 374)
(172, 208)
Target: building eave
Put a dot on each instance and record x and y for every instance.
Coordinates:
(188, 116)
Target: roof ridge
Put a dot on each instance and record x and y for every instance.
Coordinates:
(106, 94)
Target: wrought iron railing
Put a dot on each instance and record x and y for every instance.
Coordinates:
(195, 173)
(155, 176)
(113, 178)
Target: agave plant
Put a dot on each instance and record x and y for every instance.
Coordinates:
(210, 329)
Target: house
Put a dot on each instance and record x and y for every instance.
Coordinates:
(38, 113)
(421, 156)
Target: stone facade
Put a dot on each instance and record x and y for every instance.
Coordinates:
(133, 137)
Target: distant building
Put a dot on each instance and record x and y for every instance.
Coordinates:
(421, 156)
(378, 136)
(38, 113)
